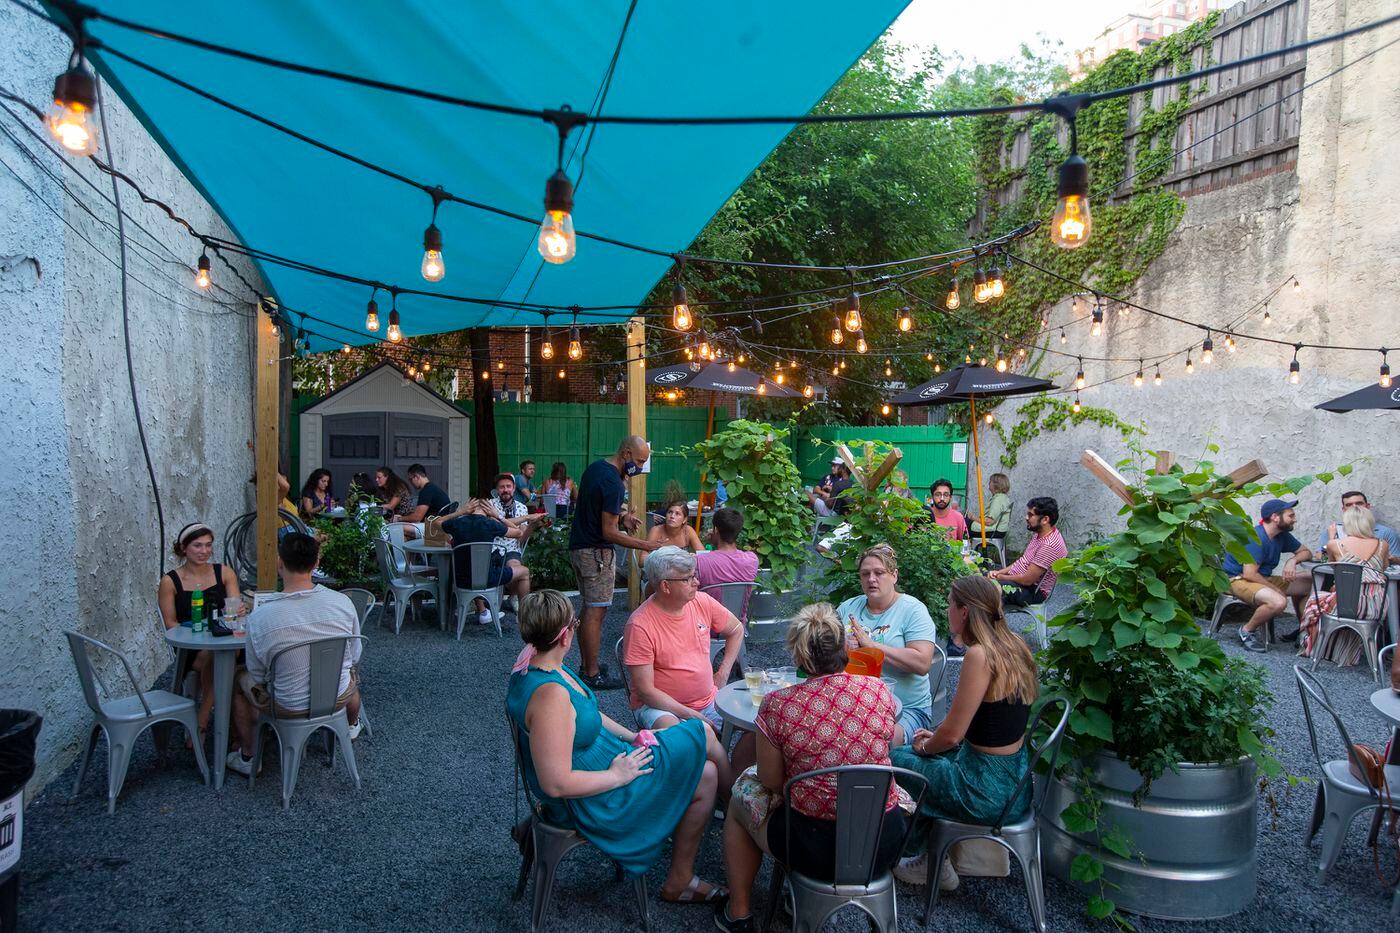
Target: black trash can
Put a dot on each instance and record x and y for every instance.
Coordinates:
(19, 732)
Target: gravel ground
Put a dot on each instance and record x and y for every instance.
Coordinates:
(424, 844)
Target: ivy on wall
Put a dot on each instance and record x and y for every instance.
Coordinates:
(1046, 413)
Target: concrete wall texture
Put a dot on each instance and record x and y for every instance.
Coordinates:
(1334, 222)
(82, 545)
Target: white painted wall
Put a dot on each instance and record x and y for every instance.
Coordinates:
(81, 540)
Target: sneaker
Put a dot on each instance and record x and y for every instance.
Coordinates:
(947, 877)
(727, 923)
(1252, 642)
(601, 680)
(236, 762)
(913, 870)
(355, 729)
(483, 617)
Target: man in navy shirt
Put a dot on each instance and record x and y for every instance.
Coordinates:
(598, 525)
(431, 499)
(1254, 583)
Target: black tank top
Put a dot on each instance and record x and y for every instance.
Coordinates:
(997, 724)
(214, 596)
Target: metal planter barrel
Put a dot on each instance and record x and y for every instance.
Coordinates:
(1193, 837)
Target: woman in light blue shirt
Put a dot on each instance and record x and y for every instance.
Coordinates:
(900, 626)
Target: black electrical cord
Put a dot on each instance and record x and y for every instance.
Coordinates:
(126, 337)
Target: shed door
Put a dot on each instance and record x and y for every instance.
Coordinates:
(419, 439)
(350, 444)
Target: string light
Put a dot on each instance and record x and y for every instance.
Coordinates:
(1064, 338)
(996, 285)
(1190, 366)
(808, 391)
(501, 364)
(1157, 379)
(547, 348)
(1071, 225)
(982, 361)
(906, 322)
(888, 371)
(372, 314)
(575, 344)
(843, 364)
(345, 349)
(427, 365)
(562, 374)
(988, 418)
(861, 345)
(556, 240)
(434, 267)
(762, 387)
(1079, 376)
(779, 378)
(1230, 342)
(1096, 324)
(835, 370)
(954, 299)
(394, 333)
(853, 322)
(1267, 318)
(485, 375)
(73, 117)
(201, 275)
(1075, 407)
(671, 396)
(1385, 370)
(732, 367)
(1294, 370)
(1001, 363)
(705, 352)
(937, 368)
(1207, 349)
(980, 294)
(680, 305)
(412, 373)
(837, 337)
(1137, 380)
(1297, 286)
(741, 359)
(885, 410)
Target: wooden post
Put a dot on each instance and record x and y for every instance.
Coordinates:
(265, 450)
(636, 424)
(873, 481)
(977, 465)
(1107, 475)
(1165, 460)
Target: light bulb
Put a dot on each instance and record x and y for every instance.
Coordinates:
(1096, 326)
(433, 267)
(705, 350)
(1207, 351)
(427, 366)
(680, 308)
(1190, 366)
(982, 361)
(372, 317)
(1071, 225)
(556, 240)
(1064, 338)
(853, 322)
(937, 368)
(884, 409)
(779, 378)
(1001, 364)
(1075, 407)
(547, 348)
(995, 283)
(1137, 380)
(980, 294)
(345, 349)
(906, 323)
(413, 373)
(1293, 372)
(987, 418)
(394, 334)
(201, 275)
(501, 364)
(889, 371)
(741, 359)
(1157, 379)
(1268, 318)
(486, 375)
(561, 374)
(928, 357)
(1297, 286)
(954, 299)
(835, 370)
(1230, 342)
(762, 388)
(808, 391)
(575, 345)
(843, 364)
(861, 345)
(732, 367)
(837, 337)
(1079, 379)
(1385, 375)
(73, 117)
(689, 353)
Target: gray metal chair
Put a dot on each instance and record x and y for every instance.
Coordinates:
(123, 719)
(543, 846)
(1040, 616)
(622, 672)
(1021, 838)
(479, 557)
(364, 601)
(1226, 600)
(735, 598)
(1340, 794)
(857, 879)
(1349, 581)
(1384, 658)
(937, 674)
(327, 656)
(399, 586)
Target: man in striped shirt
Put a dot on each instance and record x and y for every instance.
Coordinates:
(1032, 575)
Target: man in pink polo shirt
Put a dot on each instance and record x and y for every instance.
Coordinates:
(944, 513)
(726, 563)
(1031, 574)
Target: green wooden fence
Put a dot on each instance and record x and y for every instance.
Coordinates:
(938, 451)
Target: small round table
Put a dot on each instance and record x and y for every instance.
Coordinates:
(1387, 703)
(225, 649)
(738, 709)
(441, 556)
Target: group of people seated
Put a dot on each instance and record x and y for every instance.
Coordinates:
(1270, 583)
(628, 790)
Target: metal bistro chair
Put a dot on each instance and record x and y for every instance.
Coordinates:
(123, 719)
(327, 662)
(544, 846)
(479, 557)
(937, 674)
(1340, 795)
(1021, 838)
(399, 586)
(861, 793)
(1349, 581)
(364, 601)
(735, 598)
(1040, 615)
(622, 672)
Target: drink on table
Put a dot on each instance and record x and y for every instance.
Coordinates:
(753, 679)
(233, 613)
(197, 623)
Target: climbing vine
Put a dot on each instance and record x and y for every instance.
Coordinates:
(1046, 413)
(1131, 225)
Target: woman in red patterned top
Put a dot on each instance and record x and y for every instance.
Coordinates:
(830, 719)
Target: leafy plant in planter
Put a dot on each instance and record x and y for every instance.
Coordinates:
(760, 473)
(347, 549)
(547, 557)
(1150, 691)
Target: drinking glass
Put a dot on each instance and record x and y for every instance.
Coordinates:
(753, 679)
(786, 676)
(233, 613)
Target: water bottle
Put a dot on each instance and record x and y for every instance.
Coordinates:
(197, 623)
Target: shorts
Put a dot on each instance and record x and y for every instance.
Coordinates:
(1245, 590)
(912, 719)
(593, 568)
(646, 716)
(257, 695)
(500, 575)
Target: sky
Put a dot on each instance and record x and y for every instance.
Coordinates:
(992, 30)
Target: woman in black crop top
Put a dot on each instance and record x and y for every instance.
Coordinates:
(194, 548)
(975, 758)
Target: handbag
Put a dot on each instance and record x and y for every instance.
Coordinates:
(1367, 765)
(434, 535)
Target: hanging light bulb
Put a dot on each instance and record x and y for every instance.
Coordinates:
(982, 361)
(547, 348)
(556, 241)
(1079, 376)
(1297, 286)
(1064, 338)
(1207, 349)
(680, 306)
(808, 391)
(968, 358)
(732, 367)
(996, 285)
(705, 353)
(954, 299)
(906, 322)
(1230, 342)
(937, 368)
(1137, 380)
(689, 353)
(501, 365)
(779, 378)
(372, 315)
(1385, 370)
(201, 275)
(741, 359)
(345, 349)
(1268, 319)
(837, 337)
(853, 321)
(988, 418)
(1190, 366)
(1001, 363)
(575, 345)
(427, 365)
(1096, 323)
(835, 370)
(1071, 226)
(888, 370)
(394, 333)
(412, 373)
(929, 357)
(433, 267)
(980, 293)
(73, 117)
(1294, 370)
(762, 387)
(486, 375)
(1075, 407)
(843, 364)
(1157, 379)
(562, 374)
(861, 345)
(885, 410)
(671, 396)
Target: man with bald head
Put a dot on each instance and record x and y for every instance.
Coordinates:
(599, 524)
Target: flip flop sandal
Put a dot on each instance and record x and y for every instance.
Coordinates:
(692, 895)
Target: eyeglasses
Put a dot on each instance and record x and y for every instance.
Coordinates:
(693, 578)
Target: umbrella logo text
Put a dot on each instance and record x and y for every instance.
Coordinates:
(668, 378)
(936, 389)
(1395, 395)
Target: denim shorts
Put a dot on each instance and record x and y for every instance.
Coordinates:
(647, 716)
(912, 719)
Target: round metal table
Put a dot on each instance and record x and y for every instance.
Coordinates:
(738, 709)
(225, 650)
(441, 556)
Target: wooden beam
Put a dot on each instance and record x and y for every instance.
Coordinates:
(265, 450)
(1248, 473)
(845, 453)
(886, 468)
(1165, 460)
(1107, 475)
(636, 424)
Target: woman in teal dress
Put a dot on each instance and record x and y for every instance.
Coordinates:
(625, 792)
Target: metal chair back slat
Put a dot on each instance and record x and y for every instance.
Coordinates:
(327, 659)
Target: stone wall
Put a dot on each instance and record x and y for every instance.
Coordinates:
(82, 544)
(1334, 222)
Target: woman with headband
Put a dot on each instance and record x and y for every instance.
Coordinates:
(626, 792)
(194, 548)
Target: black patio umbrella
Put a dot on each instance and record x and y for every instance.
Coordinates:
(716, 377)
(967, 384)
(1367, 398)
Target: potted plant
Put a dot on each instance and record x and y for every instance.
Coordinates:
(547, 558)
(347, 549)
(1156, 812)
